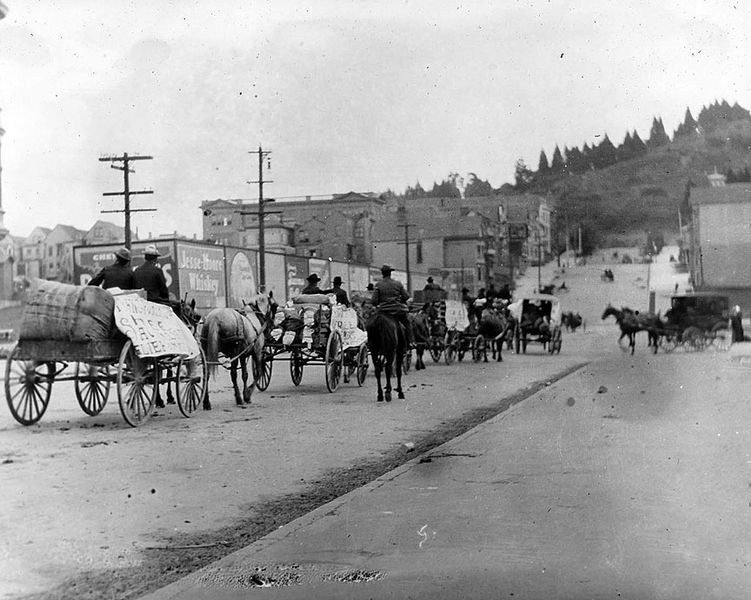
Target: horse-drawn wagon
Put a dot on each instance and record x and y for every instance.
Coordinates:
(696, 321)
(311, 330)
(121, 339)
(537, 319)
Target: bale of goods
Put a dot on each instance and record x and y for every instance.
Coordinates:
(70, 313)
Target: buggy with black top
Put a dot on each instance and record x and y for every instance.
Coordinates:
(105, 338)
(696, 321)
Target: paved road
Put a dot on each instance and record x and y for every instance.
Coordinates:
(628, 479)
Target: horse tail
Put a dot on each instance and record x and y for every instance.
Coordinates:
(210, 339)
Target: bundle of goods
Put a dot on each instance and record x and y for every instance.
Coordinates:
(70, 313)
(300, 318)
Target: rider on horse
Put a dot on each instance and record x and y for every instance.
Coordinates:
(390, 298)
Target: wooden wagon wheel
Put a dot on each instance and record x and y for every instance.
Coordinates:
(263, 368)
(333, 360)
(436, 349)
(449, 347)
(28, 386)
(721, 337)
(296, 365)
(362, 364)
(137, 385)
(192, 383)
(479, 348)
(92, 384)
(694, 338)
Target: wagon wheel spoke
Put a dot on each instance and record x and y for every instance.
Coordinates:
(92, 389)
(191, 383)
(137, 385)
(27, 387)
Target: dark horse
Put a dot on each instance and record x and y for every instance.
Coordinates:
(237, 334)
(495, 327)
(631, 322)
(421, 334)
(572, 321)
(387, 343)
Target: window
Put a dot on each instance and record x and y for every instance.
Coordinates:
(350, 251)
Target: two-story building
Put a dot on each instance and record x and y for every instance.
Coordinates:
(31, 258)
(58, 252)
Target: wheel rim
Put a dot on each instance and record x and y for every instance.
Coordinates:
(92, 385)
(27, 388)
(296, 367)
(262, 372)
(478, 348)
(192, 383)
(333, 361)
(137, 383)
(362, 365)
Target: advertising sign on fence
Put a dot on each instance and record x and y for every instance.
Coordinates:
(153, 328)
(241, 275)
(297, 271)
(201, 274)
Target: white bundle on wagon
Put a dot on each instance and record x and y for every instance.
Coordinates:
(71, 313)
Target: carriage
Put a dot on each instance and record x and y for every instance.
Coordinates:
(311, 330)
(149, 340)
(696, 321)
(537, 320)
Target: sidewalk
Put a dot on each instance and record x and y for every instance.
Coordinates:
(580, 491)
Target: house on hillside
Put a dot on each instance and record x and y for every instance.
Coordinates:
(57, 264)
(720, 240)
(104, 232)
(31, 259)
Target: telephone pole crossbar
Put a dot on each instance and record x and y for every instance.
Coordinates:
(125, 159)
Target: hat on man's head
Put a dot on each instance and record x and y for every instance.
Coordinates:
(151, 250)
(313, 278)
(386, 269)
(337, 280)
(430, 280)
(123, 253)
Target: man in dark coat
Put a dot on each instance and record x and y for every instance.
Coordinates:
(150, 277)
(341, 295)
(119, 274)
(390, 298)
(312, 287)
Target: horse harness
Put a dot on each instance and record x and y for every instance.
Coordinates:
(243, 321)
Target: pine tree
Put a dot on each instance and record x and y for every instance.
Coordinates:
(556, 166)
(625, 150)
(575, 161)
(543, 167)
(657, 135)
(605, 154)
(639, 147)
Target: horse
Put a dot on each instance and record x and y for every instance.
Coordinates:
(237, 334)
(572, 321)
(495, 326)
(387, 342)
(420, 322)
(631, 322)
(187, 313)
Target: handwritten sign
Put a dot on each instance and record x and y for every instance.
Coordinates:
(344, 320)
(456, 315)
(153, 328)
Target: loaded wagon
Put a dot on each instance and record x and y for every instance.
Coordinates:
(122, 340)
(537, 320)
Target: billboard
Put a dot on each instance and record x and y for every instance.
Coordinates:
(321, 268)
(276, 276)
(200, 270)
(297, 271)
(241, 275)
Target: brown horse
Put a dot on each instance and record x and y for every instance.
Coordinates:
(421, 334)
(387, 342)
(237, 334)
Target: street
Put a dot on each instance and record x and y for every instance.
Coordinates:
(91, 507)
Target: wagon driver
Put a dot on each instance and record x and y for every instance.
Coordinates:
(390, 298)
(119, 274)
(150, 277)
(312, 287)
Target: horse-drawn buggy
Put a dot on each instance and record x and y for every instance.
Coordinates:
(537, 319)
(696, 321)
(104, 339)
(313, 330)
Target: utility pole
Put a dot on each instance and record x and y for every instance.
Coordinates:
(261, 241)
(406, 252)
(125, 168)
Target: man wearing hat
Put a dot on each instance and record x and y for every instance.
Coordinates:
(341, 295)
(119, 274)
(312, 287)
(390, 298)
(150, 277)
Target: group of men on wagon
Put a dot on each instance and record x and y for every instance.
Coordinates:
(148, 276)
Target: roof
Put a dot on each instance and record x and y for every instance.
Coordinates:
(734, 193)
(388, 228)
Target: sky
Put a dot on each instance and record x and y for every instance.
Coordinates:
(347, 95)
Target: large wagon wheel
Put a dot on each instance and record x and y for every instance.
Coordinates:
(263, 368)
(92, 385)
(517, 339)
(333, 360)
(192, 383)
(694, 337)
(449, 347)
(721, 337)
(296, 364)
(362, 364)
(556, 341)
(479, 348)
(407, 360)
(28, 386)
(137, 385)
